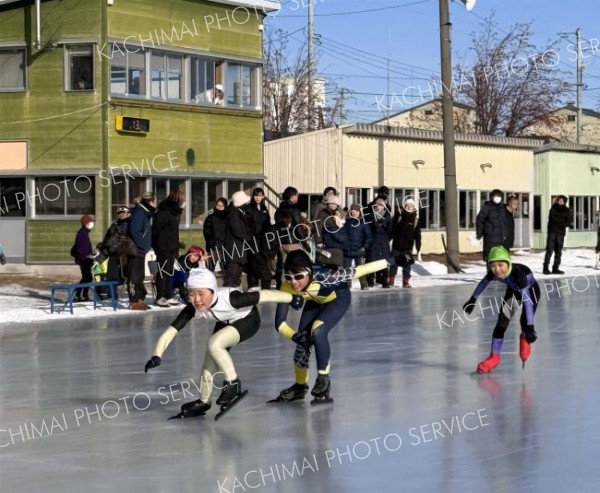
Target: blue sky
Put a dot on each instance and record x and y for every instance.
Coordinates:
(408, 34)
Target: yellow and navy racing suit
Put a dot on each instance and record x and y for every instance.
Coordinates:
(327, 297)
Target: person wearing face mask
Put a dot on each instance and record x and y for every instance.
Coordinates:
(237, 319)
(84, 256)
(492, 224)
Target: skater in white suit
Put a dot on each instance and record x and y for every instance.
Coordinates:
(237, 319)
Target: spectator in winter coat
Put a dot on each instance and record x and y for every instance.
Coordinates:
(113, 239)
(495, 224)
(559, 218)
(406, 233)
(165, 242)
(215, 231)
(140, 231)
(297, 231)
(237, 240)
(84, 256)
(320, 213)
(380, 221)
(192, 259)
(261, 221)
(290, 203)
(2, 255)
(334, 237)
(359, 240)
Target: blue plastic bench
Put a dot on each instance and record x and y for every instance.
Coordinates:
(70, 288)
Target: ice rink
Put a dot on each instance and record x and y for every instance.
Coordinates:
(77, 412)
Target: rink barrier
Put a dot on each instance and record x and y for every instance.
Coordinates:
(71, 288)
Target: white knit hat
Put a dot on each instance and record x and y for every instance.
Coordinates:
(410, 201)
(202, 278)
(240, 198)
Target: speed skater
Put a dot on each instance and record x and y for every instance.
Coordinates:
(237, 319)
(327, 297)
(521, 290)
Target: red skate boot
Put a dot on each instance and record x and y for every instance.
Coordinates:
(488, 365)
(524, 349)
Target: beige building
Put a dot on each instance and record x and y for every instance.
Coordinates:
(572, 170)
(563, 126)
(428, 116)
(357, 159)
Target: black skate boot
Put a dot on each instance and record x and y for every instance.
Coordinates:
(230, 391)
(321, 390)
(192, 409)
(293, 393)
(231, 394)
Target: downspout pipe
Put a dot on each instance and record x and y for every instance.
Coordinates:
(38, 24)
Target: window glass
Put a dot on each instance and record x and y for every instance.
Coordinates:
(12, 69)
(13, 201)
(81, 67)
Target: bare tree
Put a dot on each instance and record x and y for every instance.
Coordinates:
(512, 84)
(286, 99)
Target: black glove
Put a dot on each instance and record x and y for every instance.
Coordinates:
(297, 302)
(530, 334)
(469, 306)
(152, 363)
(302, 339)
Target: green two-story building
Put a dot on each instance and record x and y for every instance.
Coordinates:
(101, 100)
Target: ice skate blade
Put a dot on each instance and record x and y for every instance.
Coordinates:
(321, 400)
(478, 373)
(227, 407)
(181, 415)
(279, 400)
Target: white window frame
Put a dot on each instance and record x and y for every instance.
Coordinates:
(16, 47)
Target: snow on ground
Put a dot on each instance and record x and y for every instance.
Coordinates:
(21, 304)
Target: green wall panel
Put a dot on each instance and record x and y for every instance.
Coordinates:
(63, 128)
(221, 142)
(51, 241)
(184, 24)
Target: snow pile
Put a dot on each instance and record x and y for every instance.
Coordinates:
(21, 304)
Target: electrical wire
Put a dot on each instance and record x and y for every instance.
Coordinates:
(362, 11)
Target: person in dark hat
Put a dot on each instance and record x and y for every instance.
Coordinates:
(559, 218)
(113, 248)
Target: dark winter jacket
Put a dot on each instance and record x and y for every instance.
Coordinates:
(334, 236)
(113, 237)
(83, 245)
(359, 237)
(559, 219)
(215, 229)
(381, 224)
(238, 239)
(296, 234)
(496, 225)
(165, 228)
(406, 231)
(259, 218)
(140, 228)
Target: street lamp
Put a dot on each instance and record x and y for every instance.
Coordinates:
(452, 252)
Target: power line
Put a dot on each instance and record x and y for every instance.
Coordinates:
(362, 11)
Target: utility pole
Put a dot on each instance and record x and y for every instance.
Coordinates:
(311, 55)
(448, 135)
(579, 83)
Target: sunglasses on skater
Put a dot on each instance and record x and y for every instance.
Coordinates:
(295, 277)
